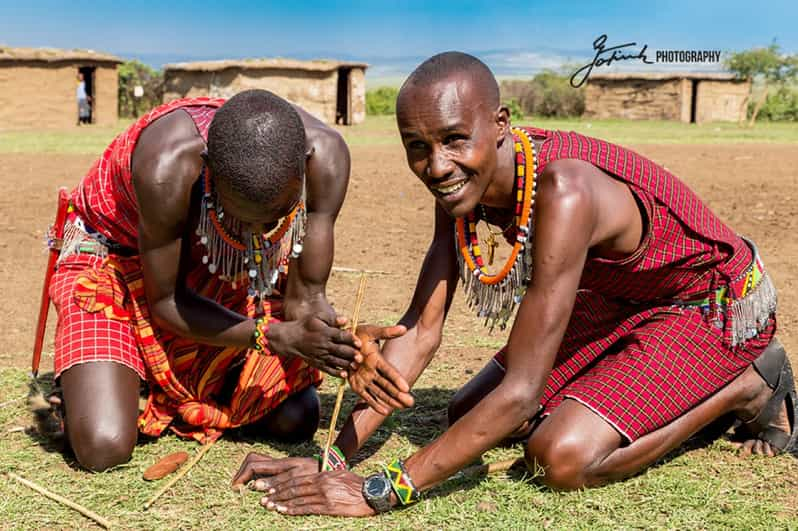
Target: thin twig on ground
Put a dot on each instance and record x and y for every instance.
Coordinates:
(60, 499)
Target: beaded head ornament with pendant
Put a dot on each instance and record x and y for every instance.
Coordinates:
(495, 296)
(243, 257)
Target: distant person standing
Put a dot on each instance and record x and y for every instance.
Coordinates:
(84, 101)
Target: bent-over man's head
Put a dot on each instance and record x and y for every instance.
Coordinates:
(256, 155)
(452, 124)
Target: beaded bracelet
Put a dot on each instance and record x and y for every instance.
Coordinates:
(404, 488)
(259, 340)
(336, 459)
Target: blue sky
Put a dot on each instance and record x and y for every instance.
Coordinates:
(514, 38)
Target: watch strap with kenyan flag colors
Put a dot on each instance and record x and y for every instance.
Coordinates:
(402, 485)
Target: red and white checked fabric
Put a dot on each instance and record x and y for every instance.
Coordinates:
(81, 336)
(628, 354)
(105, 197)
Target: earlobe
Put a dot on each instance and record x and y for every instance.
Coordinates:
(502, 123)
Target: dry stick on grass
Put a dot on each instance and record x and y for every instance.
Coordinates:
(60, 499)
(182, 472)
(338, 269)
(491, 468)
(361, 289)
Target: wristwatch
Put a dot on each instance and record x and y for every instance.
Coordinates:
(377, 492)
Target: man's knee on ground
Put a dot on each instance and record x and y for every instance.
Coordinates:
(565, 462)
(103, 446)
(297, 418)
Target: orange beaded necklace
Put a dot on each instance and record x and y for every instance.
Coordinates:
(261, 256)
(495, 296)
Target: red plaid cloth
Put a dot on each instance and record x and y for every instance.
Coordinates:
(636, 360)
(103, 313)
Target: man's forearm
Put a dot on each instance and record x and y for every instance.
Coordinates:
(494, 418)
(410, 354)
(195, 317)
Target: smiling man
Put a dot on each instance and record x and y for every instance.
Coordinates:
(641, 317)
(195, 257)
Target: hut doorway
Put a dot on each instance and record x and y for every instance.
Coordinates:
(343, 106)
(693, 100)
(86, 114)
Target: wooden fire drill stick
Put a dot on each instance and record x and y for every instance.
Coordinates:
(342, 386)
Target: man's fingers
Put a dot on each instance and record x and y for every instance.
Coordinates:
(403, 399)
(389, 332)
(300, 488)
(256, 466)
(377, 403)
(384, 397)
(393, 375)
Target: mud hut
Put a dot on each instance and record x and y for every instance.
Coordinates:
(38, 87)
(685, 97)
(333, 91)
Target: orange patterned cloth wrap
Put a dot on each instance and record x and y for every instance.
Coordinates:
(186, 379)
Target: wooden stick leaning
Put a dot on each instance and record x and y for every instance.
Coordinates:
(180, 473)
(361, 289)
(60, 499)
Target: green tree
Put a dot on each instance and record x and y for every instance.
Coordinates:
(133, 74)
(767, 65)
(381, 100)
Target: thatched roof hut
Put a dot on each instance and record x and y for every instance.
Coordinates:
(686, 96)
(334, 91)
(38, 86)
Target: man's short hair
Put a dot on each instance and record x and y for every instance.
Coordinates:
(256, 144)
(443, 65)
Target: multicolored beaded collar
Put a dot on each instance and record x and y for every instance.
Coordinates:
(261, 256)
(495, 296)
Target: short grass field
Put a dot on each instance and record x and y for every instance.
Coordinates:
(704, 485)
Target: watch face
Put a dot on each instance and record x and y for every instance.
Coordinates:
(376, 486)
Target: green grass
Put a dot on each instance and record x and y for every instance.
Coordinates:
(381, 131)
(708, 488)
(91, 140)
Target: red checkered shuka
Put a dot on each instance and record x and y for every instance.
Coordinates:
(103, 313)
(634, 359)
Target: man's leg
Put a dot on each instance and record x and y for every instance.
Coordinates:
(577, 448)
(101, 403)
(296, 419)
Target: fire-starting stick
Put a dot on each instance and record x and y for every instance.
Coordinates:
(342, 386)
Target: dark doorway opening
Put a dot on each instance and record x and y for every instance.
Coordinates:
(87, 73)
(693, 100)
(343, 109)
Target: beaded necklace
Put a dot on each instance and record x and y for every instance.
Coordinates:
(257, 259)
(495, 296)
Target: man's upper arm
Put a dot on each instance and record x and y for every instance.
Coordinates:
(165, 158)
(327, 177)
(437, 280)
(564, 227)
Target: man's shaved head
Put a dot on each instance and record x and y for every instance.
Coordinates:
(453, 128)
(443, 66)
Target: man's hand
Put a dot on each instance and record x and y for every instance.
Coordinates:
(267, 471)
(375, 379)
(294, 486)
(326, 347)
(337, 493)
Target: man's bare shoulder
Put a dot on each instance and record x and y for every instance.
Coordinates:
(165, 165)
(168, 153)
